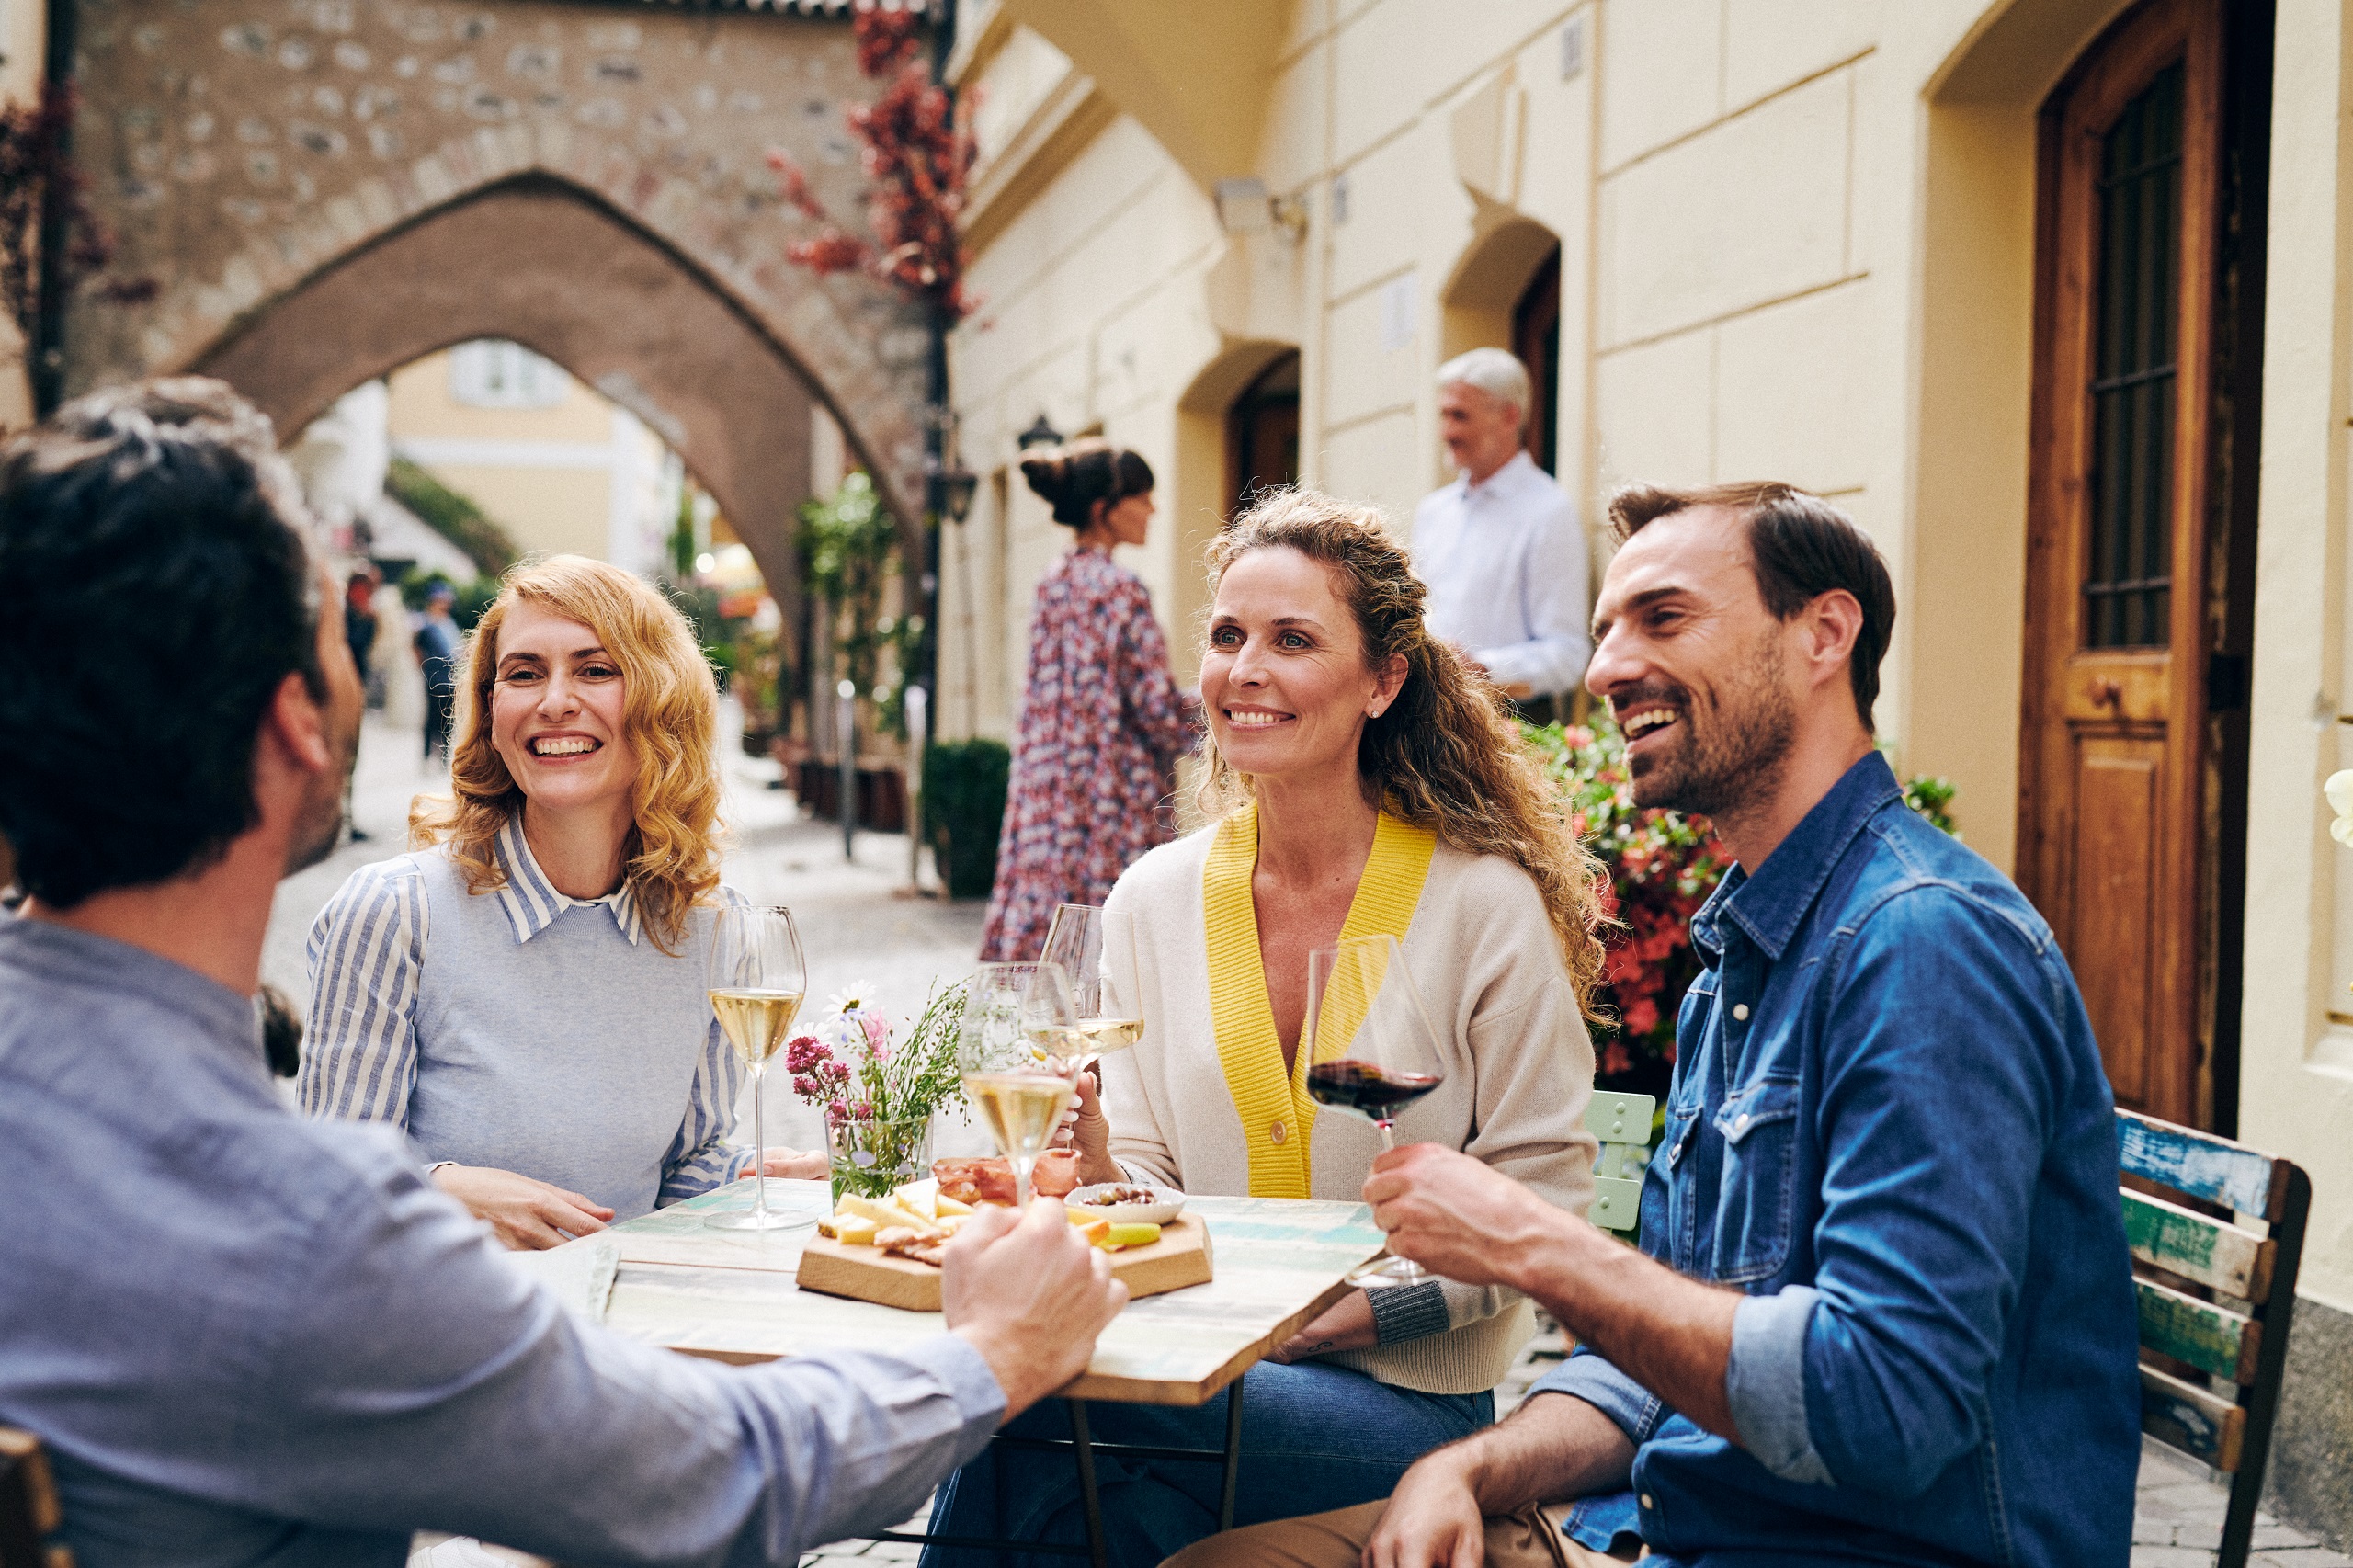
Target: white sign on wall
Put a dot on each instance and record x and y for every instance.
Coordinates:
(1399, 298)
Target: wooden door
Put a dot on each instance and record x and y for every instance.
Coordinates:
(1262, 434)
(1536, 338)
(2112, 816)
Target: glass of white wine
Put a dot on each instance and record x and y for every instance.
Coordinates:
(758, 979)
(1017, 1053)
(1096, 947)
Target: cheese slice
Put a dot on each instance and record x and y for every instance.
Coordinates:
(944, 1206)
(851, 1230)
(920, 1198)
(885, 1213)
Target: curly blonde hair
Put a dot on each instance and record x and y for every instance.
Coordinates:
(670, 717)
(1444, 755)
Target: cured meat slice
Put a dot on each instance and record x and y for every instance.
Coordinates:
(974, 1180)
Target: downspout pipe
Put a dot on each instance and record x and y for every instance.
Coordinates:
(46, 359)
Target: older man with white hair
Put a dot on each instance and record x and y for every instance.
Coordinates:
(1500, 548)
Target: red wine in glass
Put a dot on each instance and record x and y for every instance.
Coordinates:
(1378, 1093)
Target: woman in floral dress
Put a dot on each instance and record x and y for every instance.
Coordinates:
(1102, 724)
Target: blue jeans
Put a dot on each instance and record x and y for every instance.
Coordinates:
(1313, 1437)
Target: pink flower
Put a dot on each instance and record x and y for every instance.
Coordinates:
(878, 1034)
(803, 1054)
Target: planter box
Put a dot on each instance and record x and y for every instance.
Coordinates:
(882, 793)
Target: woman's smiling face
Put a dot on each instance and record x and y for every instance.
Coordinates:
(1283, 676)
(556, 712)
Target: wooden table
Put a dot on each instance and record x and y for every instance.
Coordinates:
(729, 1295)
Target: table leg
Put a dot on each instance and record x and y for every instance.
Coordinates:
(1091, 1499)
(1233, 1455)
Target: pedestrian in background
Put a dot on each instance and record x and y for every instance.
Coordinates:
(1500, 548)
(1102, 722)
(437, 653)
(360, 630)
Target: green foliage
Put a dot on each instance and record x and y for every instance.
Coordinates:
(453, 517)
(849, 548)
(963, 810)
(1931, 797)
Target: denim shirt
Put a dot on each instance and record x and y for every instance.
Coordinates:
(1888, 1128)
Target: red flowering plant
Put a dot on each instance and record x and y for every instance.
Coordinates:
(916, 161)
(1662, 866)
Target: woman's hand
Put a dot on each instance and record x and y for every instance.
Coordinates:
(524, 1214)
(1345, 1325)
(1087, 1132)
(790, 1164)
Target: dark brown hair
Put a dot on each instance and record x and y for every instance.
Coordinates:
(1444, 756)
(1073, 478)
(1800, 548)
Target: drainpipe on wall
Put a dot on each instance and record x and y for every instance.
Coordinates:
(47, 360)
(926, 673)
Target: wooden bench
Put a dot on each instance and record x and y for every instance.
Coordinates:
(30, 1516)
(1623, 1122)
(2216, 1296)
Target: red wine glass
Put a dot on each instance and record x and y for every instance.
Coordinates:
(1371, 1051)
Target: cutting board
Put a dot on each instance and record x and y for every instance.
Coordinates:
(1180, 1258)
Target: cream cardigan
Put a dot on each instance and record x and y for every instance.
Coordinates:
(1520, 1076)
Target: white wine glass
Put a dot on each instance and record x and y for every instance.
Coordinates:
(1372, 1052)
(1096, 947)
(758, 979)
(1017, 1053)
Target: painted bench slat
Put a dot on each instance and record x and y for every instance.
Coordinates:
(2212, 1252)
(2199, 1422)
(2208, 1337)
(1625, 1161)
(1620, 1119)
(2204, 1166)
(1617, 1203)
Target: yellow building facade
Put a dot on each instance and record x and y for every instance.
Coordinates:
(1847, 244)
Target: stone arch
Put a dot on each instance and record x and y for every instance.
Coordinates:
(1966, 561)
(541, 261)
(1202, 479)
(1493, 270)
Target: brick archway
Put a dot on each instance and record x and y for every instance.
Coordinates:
(631, 318)
(327, 189)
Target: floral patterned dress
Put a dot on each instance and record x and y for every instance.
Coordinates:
(1094, 755)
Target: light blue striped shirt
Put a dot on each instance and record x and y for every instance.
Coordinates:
(381, 1020)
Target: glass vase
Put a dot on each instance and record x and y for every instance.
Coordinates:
(873, 1158)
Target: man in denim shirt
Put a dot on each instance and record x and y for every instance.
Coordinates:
(1886, 1313)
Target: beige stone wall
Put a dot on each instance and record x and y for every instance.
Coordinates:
(24, 35)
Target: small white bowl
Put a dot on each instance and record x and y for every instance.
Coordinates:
(1167, 1203)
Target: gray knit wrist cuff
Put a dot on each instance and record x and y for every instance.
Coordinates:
(1408, 1311)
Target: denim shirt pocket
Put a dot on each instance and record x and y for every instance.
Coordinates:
(1670, 1217)
(1759, 1126)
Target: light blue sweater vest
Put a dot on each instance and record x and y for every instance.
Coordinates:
(569, 1058)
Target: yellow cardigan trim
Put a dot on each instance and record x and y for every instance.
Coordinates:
(1247, 1046)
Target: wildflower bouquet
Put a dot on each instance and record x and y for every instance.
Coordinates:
(878, 1098)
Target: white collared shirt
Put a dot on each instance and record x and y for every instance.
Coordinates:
(1504, 562)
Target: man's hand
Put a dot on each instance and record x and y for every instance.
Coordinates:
(524, 1214)
(1433, 1518)
(1030, 1295)
(1346, 1324)
(1461, 1218)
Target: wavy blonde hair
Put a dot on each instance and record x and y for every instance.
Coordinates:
(1444, 756)
(669, 716)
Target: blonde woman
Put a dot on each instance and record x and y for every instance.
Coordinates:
(1363, 780)
(523, 992)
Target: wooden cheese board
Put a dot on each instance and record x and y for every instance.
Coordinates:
(1180, 1258)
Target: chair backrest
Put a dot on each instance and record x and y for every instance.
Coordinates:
(1623, 1122)
(2216, 1295)
(30, 1516)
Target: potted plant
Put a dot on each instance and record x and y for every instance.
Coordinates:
(878, 1098)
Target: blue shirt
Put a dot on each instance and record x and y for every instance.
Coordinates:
(247, 1336)
(1890, 1129)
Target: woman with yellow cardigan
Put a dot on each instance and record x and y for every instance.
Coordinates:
(1364, 779)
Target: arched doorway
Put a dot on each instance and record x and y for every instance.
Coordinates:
(2140, 537)
(1536, 339)
(640, 325)
(1262, 434)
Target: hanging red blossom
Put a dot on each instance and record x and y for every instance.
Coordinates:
(916, 161)
(33, 161)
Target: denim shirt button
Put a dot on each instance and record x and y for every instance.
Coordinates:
(1740, 1011)
(1740, 1122)
(1646, 1500)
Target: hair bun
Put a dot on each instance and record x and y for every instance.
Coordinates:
(1074, 477)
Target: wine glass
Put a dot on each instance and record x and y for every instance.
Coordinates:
(1371, 1051)
(1019, 1042)
(1096, 947)
(758, 979)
